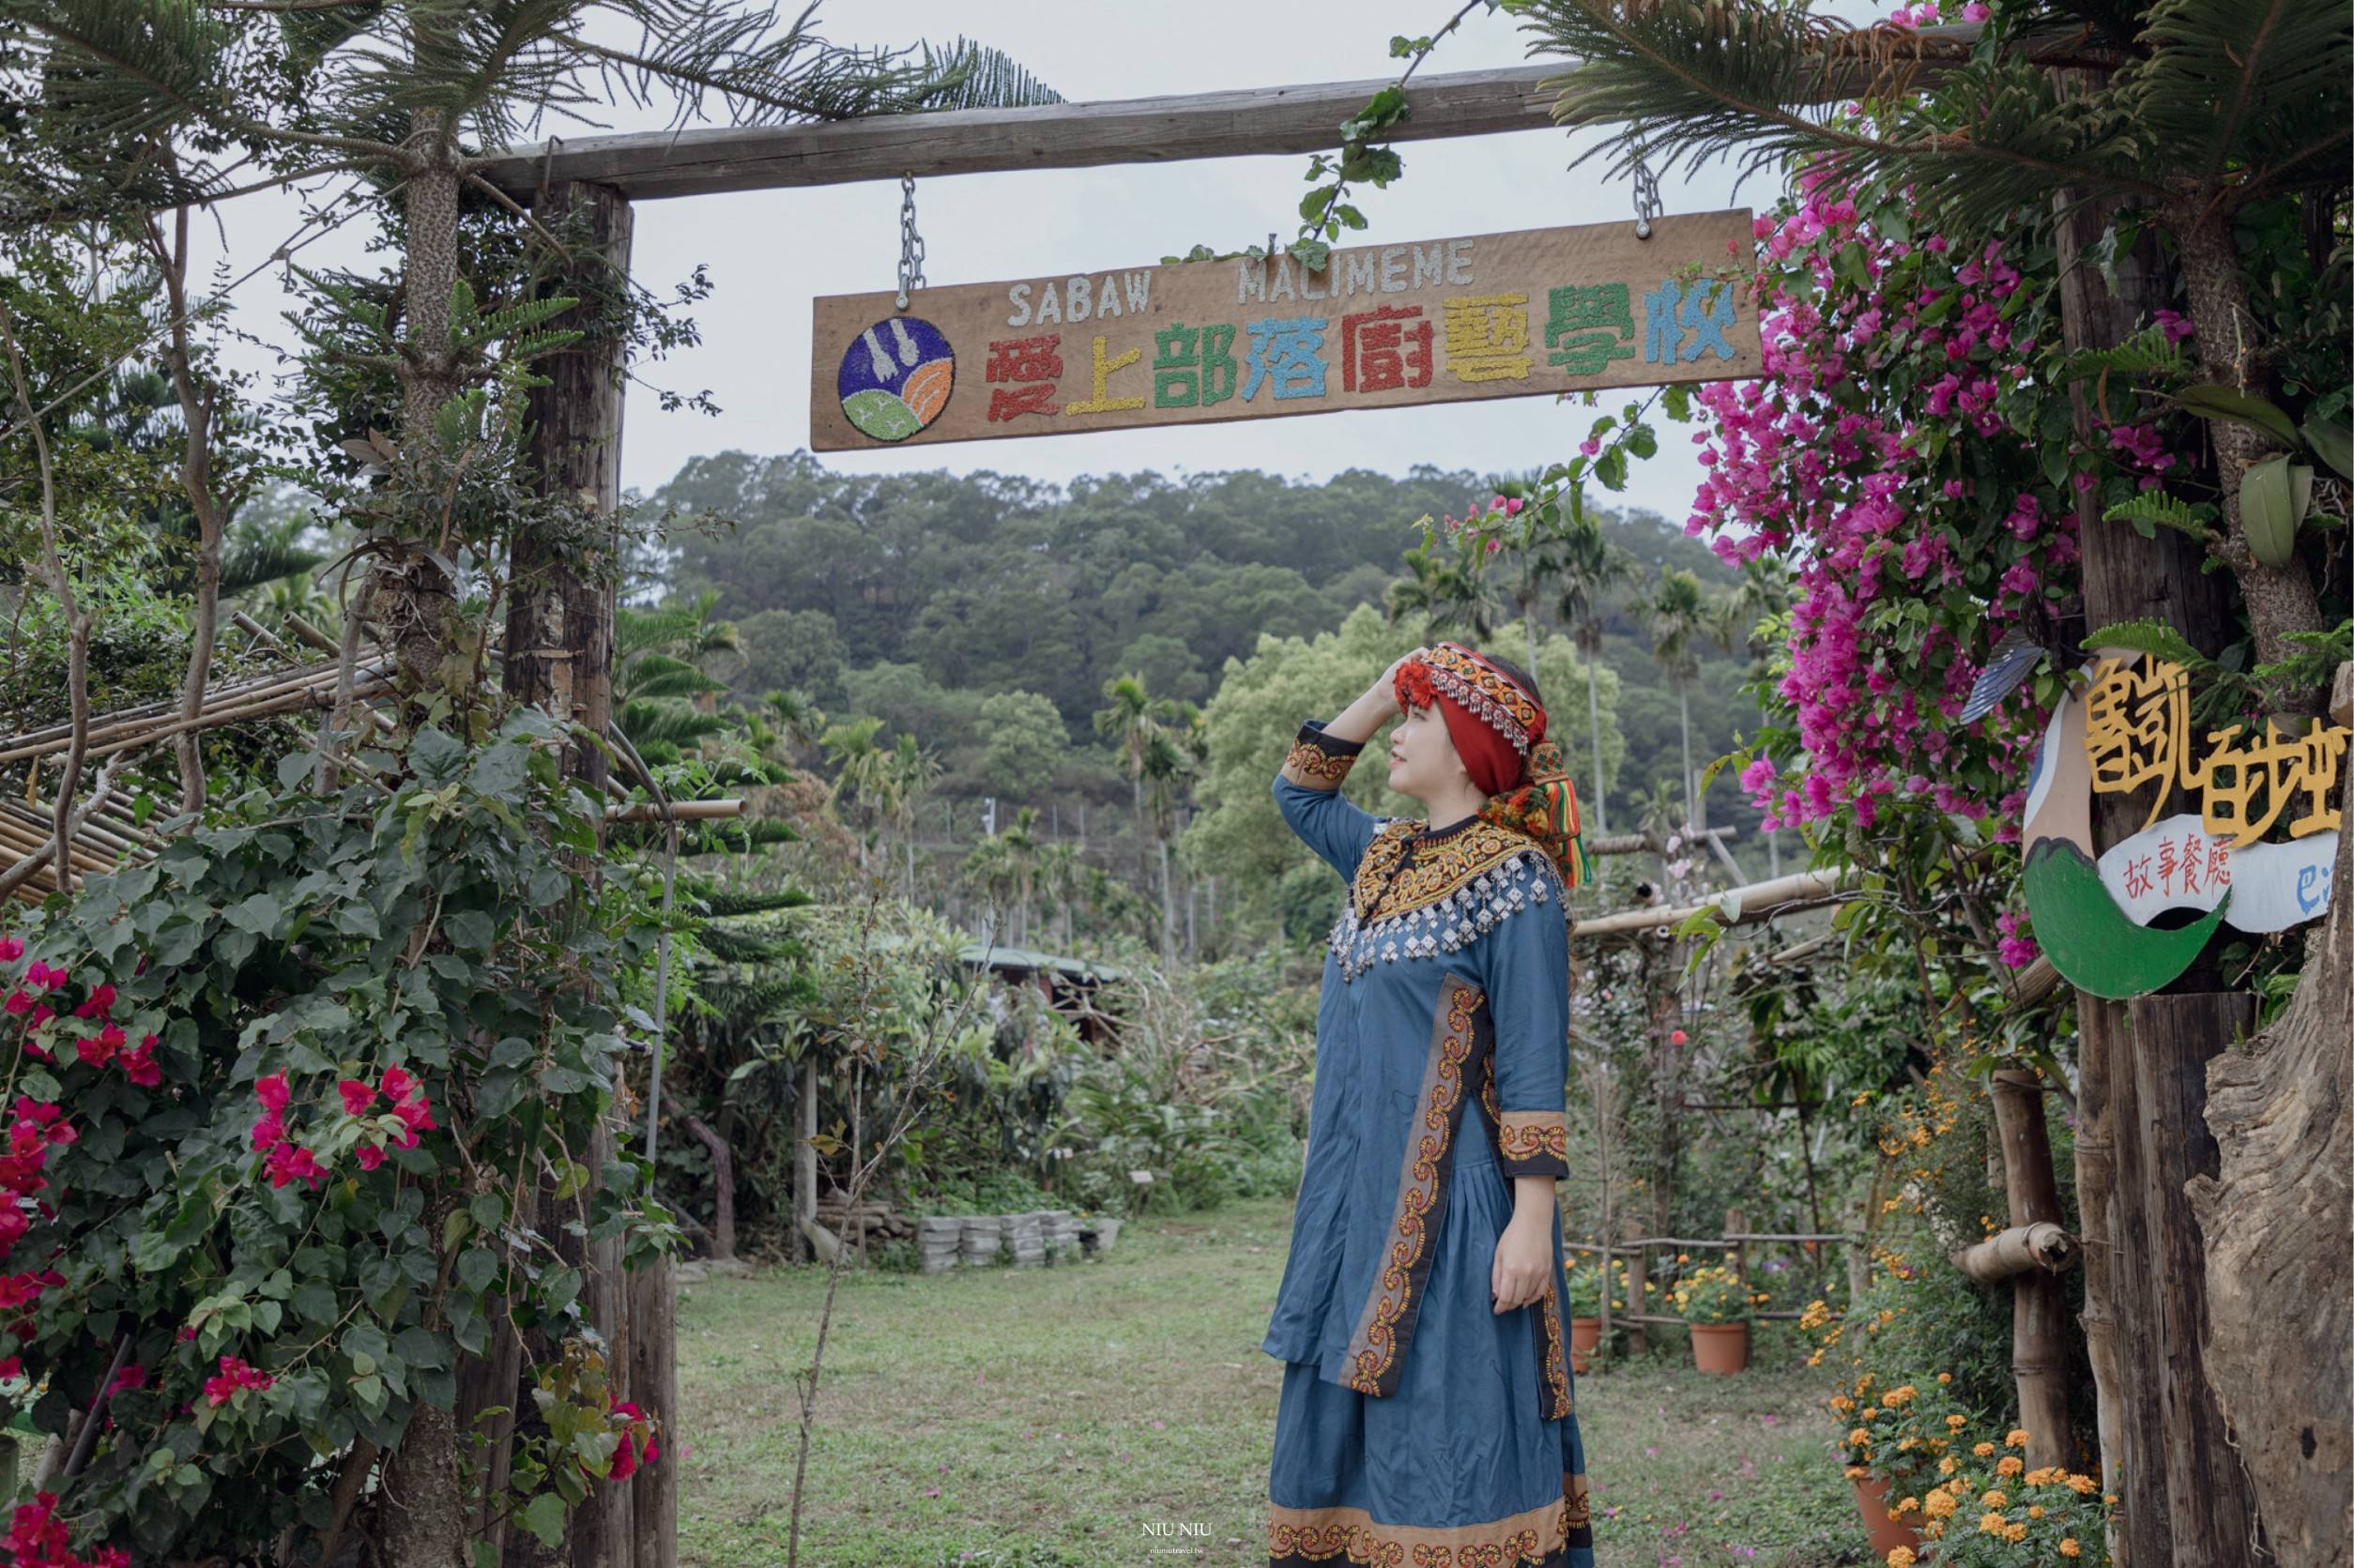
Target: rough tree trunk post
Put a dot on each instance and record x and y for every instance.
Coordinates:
(2279, 1279)
(2209, 1506)
(723, 1188)
(806, 1163)
(559, 655)
(2039, 1304)
(2126, 577)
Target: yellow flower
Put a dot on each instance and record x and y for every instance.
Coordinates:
(2016, 1437)
(2010, 1464)
(2014, 1534)
(1856, 1472)
(1901, 1557)
(1946, 1465)
(1906, 1505)
(2080, 1484)
(1994, 1499)
(1989, 1524)
(2035, 1510)
(1982, 1450)
(1939, 1504)
(1955, 1424)
(1840, 1402)
(1859, 1436)
(2068, 1547)
(1944, 1377)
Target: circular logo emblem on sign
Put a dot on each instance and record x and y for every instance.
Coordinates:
(897, 376)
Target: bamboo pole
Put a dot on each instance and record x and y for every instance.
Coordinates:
(2022, 1249)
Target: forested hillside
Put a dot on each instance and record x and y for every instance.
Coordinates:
(930, 600)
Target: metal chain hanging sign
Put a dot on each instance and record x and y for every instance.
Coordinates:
(1539, 311)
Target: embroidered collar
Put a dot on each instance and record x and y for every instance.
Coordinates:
(1408, 868)
(1420, 895)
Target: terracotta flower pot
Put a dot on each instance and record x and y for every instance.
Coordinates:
(1720, 1348)
(1871, 1500)
(1584, 1335)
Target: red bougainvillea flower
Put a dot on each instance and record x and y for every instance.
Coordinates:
(235, 1377)
(369, 1155)
(288, 1162)
(12, 1367)
(37, 1538)
(399, 1084)
(97, 1004)
(417, 1114)
(269, 1131)
(11, 949)
(637, 1448)
(139, 1064)
(131, 1376)
(20, 1002)
(357, 1095)
(272, 1091)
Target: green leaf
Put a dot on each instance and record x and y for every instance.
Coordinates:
(472, 929)
(2153, 507)
(476, 1268)
(488, 1208)
(2333, 443)
(2148, 636)
(258, 914)
(543, 1517)
(2211, 401)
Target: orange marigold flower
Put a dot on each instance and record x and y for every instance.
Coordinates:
(1994, 1499)
(2010, 1464)
(1982, 1450)
(2015, 1437)
(1955, 1424)
(2068, 1547)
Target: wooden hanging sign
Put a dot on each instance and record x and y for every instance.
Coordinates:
(1543, 311)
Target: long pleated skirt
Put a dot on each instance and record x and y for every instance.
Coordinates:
(1459, 1467)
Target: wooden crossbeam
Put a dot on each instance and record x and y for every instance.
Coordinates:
(644, 165)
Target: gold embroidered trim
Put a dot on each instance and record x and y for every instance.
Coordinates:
(1554, 1366)
(1525, 1135)
(1309, 763)
(1439, 868)
(1374, 1350)
(1306, 1535)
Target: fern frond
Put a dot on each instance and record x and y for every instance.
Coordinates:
(2148, 353)
(2148, 511)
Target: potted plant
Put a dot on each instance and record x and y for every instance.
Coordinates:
(1714, 1305)
(1584, 1305)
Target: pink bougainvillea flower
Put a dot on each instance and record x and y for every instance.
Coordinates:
(417, 1114)
(272, 1091)
(357, 1095)
(398, 1084)
(369, 1155)
(269, 1131)
(95, 1050)
(97, 1004)
(11, 949)
(12, 1366)
(131, 1376)
(1675, 1037)
(139, 1064)
(19, 1003)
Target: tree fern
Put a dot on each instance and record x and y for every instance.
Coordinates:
(2153, 508)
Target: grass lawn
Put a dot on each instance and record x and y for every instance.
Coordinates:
(1121, 1412)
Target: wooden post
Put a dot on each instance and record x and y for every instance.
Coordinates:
(1638, 1332)
(2039, 1304)
(805, 1161)
(2126, 578)
(559, 655)
(2208, 1504)
(1738, 1223)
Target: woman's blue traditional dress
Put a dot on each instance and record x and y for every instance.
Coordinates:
(1419, 1427)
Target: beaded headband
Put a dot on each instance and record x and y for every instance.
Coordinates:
(1482, 690)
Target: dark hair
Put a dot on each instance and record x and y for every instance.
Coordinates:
(1527, 682)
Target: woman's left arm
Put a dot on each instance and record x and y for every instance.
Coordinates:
(1527, 975)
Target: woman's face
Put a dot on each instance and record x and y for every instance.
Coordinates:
(1422, 758)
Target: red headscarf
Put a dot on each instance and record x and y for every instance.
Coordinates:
(1498, 728)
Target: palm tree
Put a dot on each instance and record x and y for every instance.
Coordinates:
(1452, 593)
(1679, 617)
(1166, 760)
(1132, 719)
(913, 771)
(1061, 875)
(864, 772)
(1589, 567)
(1020, 838)
(2192, 110)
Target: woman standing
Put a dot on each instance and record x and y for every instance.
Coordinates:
(1427, 1415)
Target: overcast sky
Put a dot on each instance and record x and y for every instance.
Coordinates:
(769, 253)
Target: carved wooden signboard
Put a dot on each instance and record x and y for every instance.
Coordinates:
(1543, 311)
